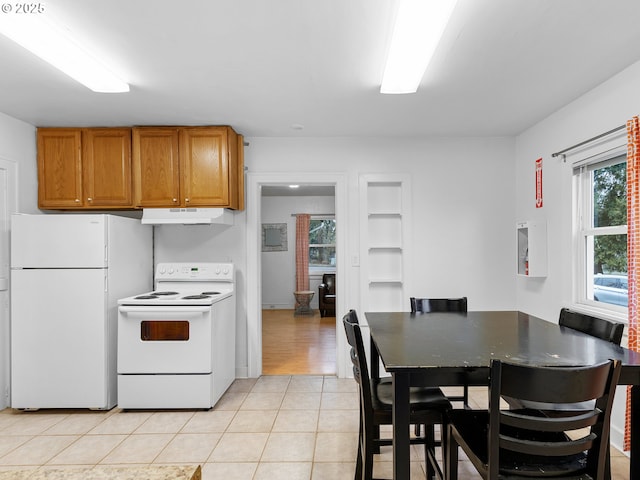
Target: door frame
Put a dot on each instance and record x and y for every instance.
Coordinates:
(11, 199)
(255, 181)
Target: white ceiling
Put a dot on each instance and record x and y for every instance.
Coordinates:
(264, 66)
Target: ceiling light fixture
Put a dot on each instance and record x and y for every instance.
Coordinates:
(417, 31)
(53, 45)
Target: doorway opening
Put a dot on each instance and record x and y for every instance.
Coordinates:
(255, 184)
(297, 339)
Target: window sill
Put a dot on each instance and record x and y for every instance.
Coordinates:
(321, 270)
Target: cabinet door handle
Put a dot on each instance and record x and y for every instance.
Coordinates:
(89, 199)
(77, 200)
(175, 199)
(186, 200)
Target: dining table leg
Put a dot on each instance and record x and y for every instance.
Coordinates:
(401, 412)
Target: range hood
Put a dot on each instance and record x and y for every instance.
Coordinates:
(187, 216)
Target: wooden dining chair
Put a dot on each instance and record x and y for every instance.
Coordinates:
(526, 444)
(430, 305)
(428, 407)
(596, 327)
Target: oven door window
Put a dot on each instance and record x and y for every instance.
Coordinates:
(164, 330)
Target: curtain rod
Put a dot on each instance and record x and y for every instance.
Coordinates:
(589, 140)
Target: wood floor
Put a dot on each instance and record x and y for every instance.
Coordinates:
(298, 345)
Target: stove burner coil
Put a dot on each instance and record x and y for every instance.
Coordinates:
(210, 293)
(196, 297)
(146, 297)
(164, 293)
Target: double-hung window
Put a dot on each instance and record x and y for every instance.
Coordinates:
(600, 186)
(322, 242)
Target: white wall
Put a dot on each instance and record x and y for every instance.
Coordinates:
(602, 109)
(279, 268)
(18, 144)
(17, 148)
(462, 191)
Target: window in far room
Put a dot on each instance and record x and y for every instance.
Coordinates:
(322, 242)
(600, 187)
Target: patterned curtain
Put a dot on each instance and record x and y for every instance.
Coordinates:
(633, 247)
(302, 251)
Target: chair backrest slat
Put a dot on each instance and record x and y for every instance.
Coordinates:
(427, 305)
(594, 326)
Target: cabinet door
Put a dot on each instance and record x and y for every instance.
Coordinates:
(106, 159)
(59, 168)
(204, 156)
(155, 167)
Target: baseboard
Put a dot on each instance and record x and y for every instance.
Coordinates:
(242, 372)
(616, 437)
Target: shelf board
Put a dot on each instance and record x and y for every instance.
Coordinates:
(385, 280)
(385, 214)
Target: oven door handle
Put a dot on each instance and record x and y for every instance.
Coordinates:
(163, 309)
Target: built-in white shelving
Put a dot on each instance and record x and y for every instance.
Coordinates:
(385, 214)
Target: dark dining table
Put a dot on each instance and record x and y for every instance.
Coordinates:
(451, 349)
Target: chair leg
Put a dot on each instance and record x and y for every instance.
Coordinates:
(367, 471)
(465, 395)
(429, 450)
(368, 449)
(451, 452)
(444, 444)
(358, 474)
(376, 435)
(607, 463)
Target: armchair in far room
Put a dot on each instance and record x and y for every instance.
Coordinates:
(327, 295)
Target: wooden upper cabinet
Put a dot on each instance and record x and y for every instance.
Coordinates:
(205, 160)
(125, 168)
(156, 169)
(59, 168)
(106, 159)
(84, 168)
(187, 167)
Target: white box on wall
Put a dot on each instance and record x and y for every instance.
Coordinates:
(532, 248)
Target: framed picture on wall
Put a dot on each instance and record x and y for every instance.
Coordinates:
(274, 237)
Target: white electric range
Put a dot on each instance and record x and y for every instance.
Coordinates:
(176, 344)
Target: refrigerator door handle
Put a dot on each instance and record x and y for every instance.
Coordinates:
(4, 284)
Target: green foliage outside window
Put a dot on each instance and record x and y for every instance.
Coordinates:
(322, 242)
(610, 209)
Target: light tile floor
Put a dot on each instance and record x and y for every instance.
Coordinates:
(274, 427)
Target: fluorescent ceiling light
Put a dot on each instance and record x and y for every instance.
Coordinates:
(417, 31)
(54, 46)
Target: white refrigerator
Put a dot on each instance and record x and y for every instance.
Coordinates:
(67, 273)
